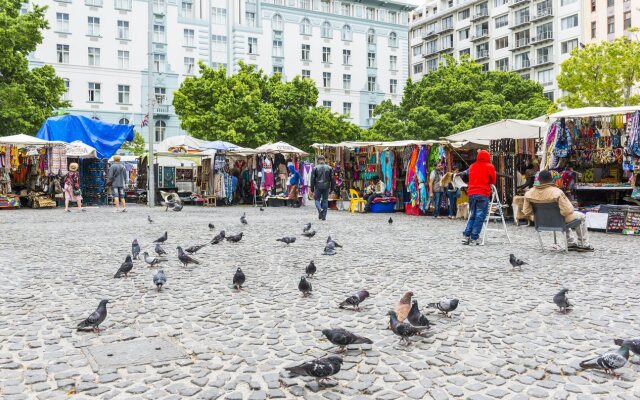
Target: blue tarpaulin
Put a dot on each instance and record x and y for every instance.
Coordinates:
(104, 137)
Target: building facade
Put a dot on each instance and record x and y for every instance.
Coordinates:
(356, 52)
(530, 37)
(610, 19)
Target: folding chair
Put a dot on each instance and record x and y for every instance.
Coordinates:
(547, 218)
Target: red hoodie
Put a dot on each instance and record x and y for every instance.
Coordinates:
(482, 174)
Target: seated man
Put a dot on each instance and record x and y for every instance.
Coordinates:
(547, 192)
(378, 191)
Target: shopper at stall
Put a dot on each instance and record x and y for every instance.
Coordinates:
(294, 183)
(117, 178)
(548, 192)
(436, 189)
(452, 191)
(378, 191)
(72, 190)
(481, 174)
(320, 186)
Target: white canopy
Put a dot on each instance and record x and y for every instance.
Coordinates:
(504, 129)
(79, 149)
(24, 140)
(182, 142)
(593, 112)
(280, 147)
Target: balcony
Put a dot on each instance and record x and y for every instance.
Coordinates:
(542, 38)
(515, 3)
(162, 110)
(430, 52)
(159, 9)
(543, 14)
(482, 54)
(520, 22)
(480, 15)
(445, 48)
(445, 28)
(543, 60)
(479, 35)
(520, 44)
(525, 64)
(429, 34)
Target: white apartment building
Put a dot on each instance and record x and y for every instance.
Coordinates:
(530, 37)
(356, 52)
(610, 19)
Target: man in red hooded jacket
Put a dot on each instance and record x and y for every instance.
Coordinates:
(482, 174)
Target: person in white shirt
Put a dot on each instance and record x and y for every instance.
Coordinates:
(379, 190)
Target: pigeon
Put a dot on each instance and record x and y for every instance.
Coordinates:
(416, 318)
(310, 270)
(234, 238)
(609, 361)
(403, 307)
(161, 239)
(261, 209)
(211, 226)
(96, 318)
(238, 279)
(632, 344)
(194, 249)
(561, 300)
(321, 368)
(159, 279)
(355, 300)
(335, 244)
(149, 219)
(243, 220)
(516, 262)
(159, 250)
(390, 220)
(305, 287)
(329, 249)
(445, 306)
(218, 238)
(152, 261)
(135, 249)
(184, 258)
(125, 268)
(307, 227)
(343, 338)
(309, 234)
(287, 239)
(177, 207)
(404, 330)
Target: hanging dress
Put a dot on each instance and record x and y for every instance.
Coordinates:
(268, 180)
(421, 171)
(411, 178)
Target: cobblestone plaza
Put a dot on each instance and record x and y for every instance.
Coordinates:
(199, 338)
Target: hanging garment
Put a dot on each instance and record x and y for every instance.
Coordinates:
(411, 178)
(386, 161)
(268, 181)
(421, 172)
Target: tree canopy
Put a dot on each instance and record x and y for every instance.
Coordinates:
(27, 97)
(602, 74)
(250, 108)
(455, 97)
(137, 146)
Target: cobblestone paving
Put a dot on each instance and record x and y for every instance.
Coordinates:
(505, 341)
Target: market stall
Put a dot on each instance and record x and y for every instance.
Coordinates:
(272, 161)
(92, 172)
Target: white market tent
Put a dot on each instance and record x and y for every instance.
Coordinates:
(280, 147)
(593, 112)
(503, 129)
(182, 142)
(80, 150)
(26, 140)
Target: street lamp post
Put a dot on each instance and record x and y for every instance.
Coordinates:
(151, 191)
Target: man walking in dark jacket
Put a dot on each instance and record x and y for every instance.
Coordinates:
(320, 185)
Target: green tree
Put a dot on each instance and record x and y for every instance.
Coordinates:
(455, 97)
(601, 74)
(137, 147)
(27, 97)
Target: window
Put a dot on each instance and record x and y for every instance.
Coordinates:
(545, 77)
(521, 16)
(305, 4)
(372, 107)
(93, 26)
(371, 60)
(463, 34)
(611, 24)
(325, 6)
(158, 62)
(92, 3)
(306, 74)
(392, 17)
(346, 57)
(371, 83)
(498, 3)
(326, 79)
(277, 69)
(447, 42)
(593, 29)
(123, 30)
(277, 48)
(219, 16)
(253, 45)
(67, 85)
(610, 3)
(62, 53)
(326, 104)
(188, 37)
(159, 130)
(346, 9)
(522, 61)
(593, 5)
(544, 55)
(305, 27)
(393, 86)
(123, 59)
(371, 37)
(189, 65)
(277, 23)
(432, 46)
(417, 50)
(502, 20)
(418, 68)
(627, 20)
(393, 39)
(123, 94)
(219, 42)
(570, 21)
(158, 34)
(393, 63)
(122, 4)
(346, 108)
(186, 9)
(566, 47)
(161, 95)
(62, 22)
(502, 64)
(447, 23)
(94, 56)
(371, 13)
(346, 33)
(502, 42)
(346, 82)
(548, 95)
(545, 31)
(94, 92)
(326, 30)
(306, 52)
(432, 65)
(567, 2)
(250, 16)
(326, 54)
(123, 121)
(464, 52)
(464, 14)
